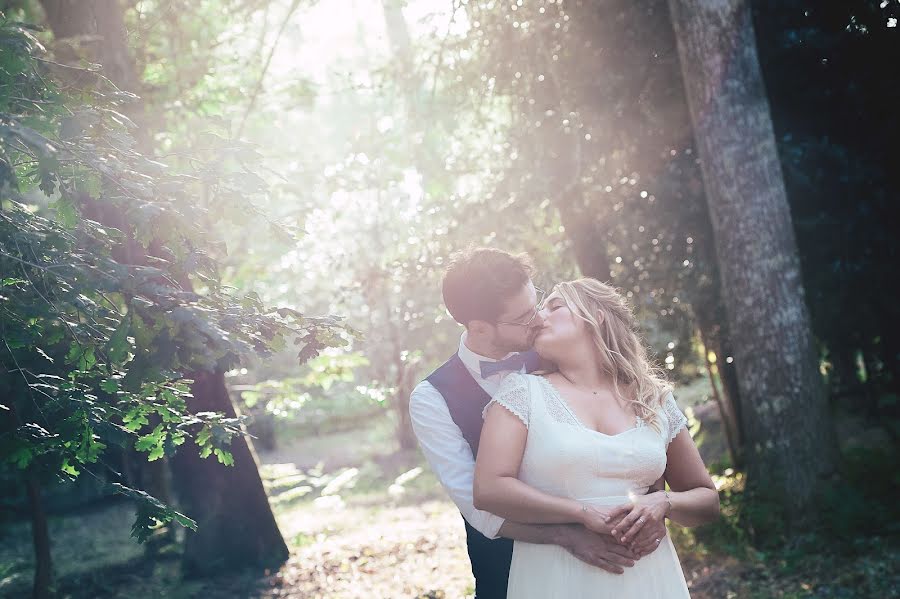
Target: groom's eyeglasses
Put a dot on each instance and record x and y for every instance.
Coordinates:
(531, 315)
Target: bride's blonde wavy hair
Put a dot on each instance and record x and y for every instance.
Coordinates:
(623, 356)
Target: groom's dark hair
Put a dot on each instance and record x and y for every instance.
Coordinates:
(479, 280)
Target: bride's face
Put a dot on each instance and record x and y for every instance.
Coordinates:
(562, 330)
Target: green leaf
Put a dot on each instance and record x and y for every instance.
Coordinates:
(143, 335)
(110, 385)
(21, 456)
(224, 457)
(118, 346)
(81, 357)
(156, 453)
(149, 441)
(66, 212)
(203, 436)
(69, 468)
(151, 513)
(135, 418)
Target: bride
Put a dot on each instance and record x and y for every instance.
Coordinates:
(585, 444)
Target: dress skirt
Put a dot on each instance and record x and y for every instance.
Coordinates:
(549, 572)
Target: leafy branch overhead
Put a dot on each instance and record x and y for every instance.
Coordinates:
(110, 291)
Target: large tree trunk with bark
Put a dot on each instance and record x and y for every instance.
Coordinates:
(236, 523)
(43, 570)
(788, 429)
(95, 30)
(42, 584)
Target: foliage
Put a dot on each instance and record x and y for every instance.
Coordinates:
(590, 101)
(328, 378)
(100, 321)
(835, 123)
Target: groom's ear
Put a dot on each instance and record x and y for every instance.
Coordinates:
(478, 327)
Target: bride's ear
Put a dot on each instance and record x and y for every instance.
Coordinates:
(600, 317)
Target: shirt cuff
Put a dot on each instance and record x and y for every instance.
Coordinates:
(489, 525)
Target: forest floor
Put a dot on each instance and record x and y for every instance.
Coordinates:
(363, 520)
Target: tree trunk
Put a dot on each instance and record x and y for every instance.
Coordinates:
(844, 378)
(583, 229)
(40, 533)
(714, 336)
(723, 347)
(789, 434)
(406, 437)
(95, 29)
(235, 524)
(726, 410)
(42, 586)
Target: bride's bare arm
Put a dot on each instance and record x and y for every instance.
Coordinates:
(692, 501)
(694, 498)
(498, 490)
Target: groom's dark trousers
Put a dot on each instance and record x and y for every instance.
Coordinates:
(466, 400)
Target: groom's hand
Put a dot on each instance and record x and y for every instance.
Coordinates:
(597, 549)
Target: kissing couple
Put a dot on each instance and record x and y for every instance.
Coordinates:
(557, 437)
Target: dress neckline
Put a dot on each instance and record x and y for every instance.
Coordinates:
(639, 421)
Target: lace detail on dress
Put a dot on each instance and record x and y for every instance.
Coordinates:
(558, 410)
(677, 420)
(513, 395)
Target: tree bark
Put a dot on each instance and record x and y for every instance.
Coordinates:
(95, 29)
(789, 433)
(406, 437)
(583, 229)
(40, 533)
(235, 524)
(42, 585)
(713, 333)
(726, 411)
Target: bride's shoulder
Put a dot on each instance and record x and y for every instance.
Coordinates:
(664, 403)
(667, 400)
(515, 379)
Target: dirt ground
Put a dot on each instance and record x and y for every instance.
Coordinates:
(364, 521)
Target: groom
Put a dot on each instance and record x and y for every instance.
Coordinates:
(490, 293)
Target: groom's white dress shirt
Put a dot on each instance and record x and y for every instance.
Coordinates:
(445, 448)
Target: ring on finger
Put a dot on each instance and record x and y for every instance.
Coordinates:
(658, 540)
(640, 520)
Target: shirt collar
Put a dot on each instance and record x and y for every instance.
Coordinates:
(471, 360)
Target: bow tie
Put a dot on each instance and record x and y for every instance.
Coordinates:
(514, 363)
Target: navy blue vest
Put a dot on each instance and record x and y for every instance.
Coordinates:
(466, 400)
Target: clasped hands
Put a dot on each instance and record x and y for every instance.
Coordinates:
(639, 525)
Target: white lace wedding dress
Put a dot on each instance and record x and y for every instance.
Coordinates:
(565, 458)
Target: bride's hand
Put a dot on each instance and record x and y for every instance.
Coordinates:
(645, 509)
(600, 519)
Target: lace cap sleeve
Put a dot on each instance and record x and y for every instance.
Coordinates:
(677, 419)
(513, 395)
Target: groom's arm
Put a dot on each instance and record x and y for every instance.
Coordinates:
(450, 458)
(595, 549)
(449, 455)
